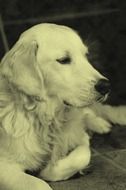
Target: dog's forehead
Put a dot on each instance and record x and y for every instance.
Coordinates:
(53, 34)
(50, 31)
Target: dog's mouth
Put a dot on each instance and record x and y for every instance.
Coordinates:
(100, 99)
(77, 106)
(66, 103)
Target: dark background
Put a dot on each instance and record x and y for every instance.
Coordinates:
(101, 23)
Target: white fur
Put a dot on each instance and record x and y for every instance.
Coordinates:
(38, 131)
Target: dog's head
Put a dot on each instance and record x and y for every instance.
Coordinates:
(50, 60)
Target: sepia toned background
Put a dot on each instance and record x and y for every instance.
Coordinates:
(102, 25)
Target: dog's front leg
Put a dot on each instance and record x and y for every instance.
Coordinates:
(13, 178)
(77, 160)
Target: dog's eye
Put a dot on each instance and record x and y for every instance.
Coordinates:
(64, 60)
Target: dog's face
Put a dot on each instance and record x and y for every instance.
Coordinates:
(58, 66)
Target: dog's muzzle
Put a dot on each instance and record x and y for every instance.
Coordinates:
(103, 87)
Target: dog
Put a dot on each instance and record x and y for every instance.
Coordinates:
(50, 96)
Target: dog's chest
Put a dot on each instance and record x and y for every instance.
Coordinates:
(33, 151)
(26, 150)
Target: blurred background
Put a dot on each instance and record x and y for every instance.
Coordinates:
(101, 24)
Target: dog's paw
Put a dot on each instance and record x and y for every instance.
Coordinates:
(53, 173)
(96, 123)
(101, 126)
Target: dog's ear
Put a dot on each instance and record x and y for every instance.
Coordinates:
(20, 68)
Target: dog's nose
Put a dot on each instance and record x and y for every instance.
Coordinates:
(103, 86)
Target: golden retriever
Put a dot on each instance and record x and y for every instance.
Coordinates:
(48, 100)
